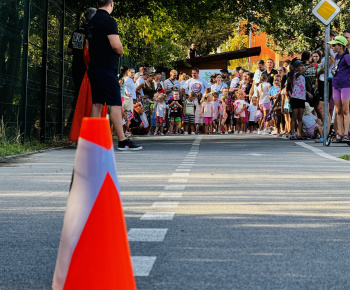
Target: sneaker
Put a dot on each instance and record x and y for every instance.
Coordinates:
(226, 133)
(127, 134)
(293, 137)
(162, 134)
(274, 132)
(248, 132)
(259, 132)
(185, 133)
(254, 132)
(240, 132)
(128, 145)
(193, 133)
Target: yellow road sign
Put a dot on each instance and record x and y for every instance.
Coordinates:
(326, 11)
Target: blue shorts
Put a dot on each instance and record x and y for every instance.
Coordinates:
(105, 86)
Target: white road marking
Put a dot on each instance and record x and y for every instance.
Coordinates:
(166, 204)
(146, 235)
(183, 170)
(180, 174)
(181, 180)
(321, 153)
(142, 265)
(171, 195)
(158, 216)
(174, 187)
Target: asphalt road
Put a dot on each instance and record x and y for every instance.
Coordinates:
(203, 212)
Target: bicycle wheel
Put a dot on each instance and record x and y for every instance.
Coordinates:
(329, 139)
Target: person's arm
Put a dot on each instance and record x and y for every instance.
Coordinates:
(139, 87)
(184, 110)
(188, 53)
(251, 92)
(244, 106)
(178, 104)
(116, 44)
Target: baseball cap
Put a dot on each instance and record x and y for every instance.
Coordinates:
(297, 63)
(339, 40)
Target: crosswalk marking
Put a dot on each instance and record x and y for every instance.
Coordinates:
(174, 187)
(142, 265)
(166, 204)
(171, 195)
(147, 235)
(159, 216)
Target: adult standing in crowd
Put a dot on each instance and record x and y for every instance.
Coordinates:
(130, 90)
(196, 84)
(76, 48)
(346, 34)
(171, 84)
(105, 49)
(218, 86)
(192, 52)
(159, 85)
(257, 75)
(341, 86)
(270, 71)
(225, 79)
(142, 70)
(140, 84)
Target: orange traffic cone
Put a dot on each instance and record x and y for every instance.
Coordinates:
(94, 251)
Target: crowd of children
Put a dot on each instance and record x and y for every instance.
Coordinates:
(287, 102)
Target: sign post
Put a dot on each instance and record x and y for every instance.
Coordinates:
(326, 11)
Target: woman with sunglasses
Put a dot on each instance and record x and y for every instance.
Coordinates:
(341, 86)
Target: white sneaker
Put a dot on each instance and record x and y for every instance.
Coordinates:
(248, 132)
(240, 132)
(193, 133)
(268, 131)
(226, 133)
(259, 132)
(185, 133)
(254, 132)
(274, 132)
(264, 132)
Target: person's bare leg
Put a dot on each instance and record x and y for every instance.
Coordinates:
(340, 118)
(117, 121)
(97, 110)
(300, 121)
(345, 109)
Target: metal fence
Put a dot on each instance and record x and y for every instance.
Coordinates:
(36, 85)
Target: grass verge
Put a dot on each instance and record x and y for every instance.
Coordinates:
(8, 149)
(345, 157)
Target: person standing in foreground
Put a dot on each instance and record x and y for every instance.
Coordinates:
(105, 49)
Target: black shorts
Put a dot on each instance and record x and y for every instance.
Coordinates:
(252, 124)
(105, 86)
(321, 90)
(228, 119)
(297, 103)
